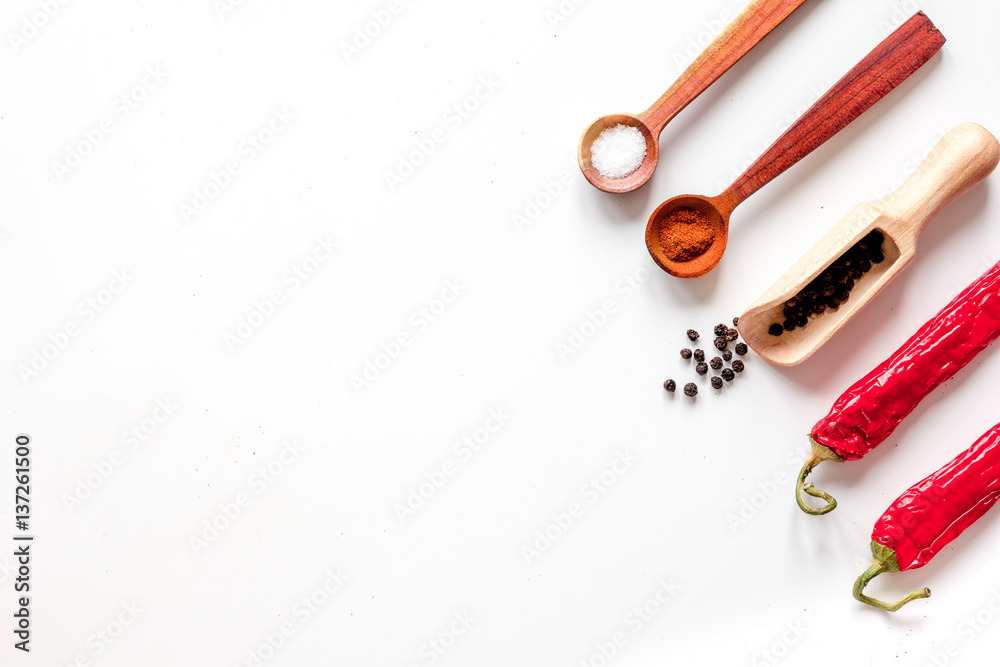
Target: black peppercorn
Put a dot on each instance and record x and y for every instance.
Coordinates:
(699, 355)
(716, 363)
(801, 321)
(732, 334)
(727, 355)
(728, 374)
(685, 353)
(692, 334)
(789, 324)
(736, 321)
(720, 329)
(691, 389)
(702, 368)
(876, 257)
(775, 329)
(670, 386)
(721, 343)
(738, 366)
(741, 349)
(717, 383)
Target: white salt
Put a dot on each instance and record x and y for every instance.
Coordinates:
(618, 151)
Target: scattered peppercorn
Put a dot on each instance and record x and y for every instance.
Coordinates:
(727, 355)
(833, 287)
(720, 329)
(685, 353)
(692, 334)
(736, 321)
(728, 374)
(670, 386)
(732, 334)
(721, 343)
(716, 363)
(699, 355)
(691, 389)
(738, 366)
(741, 349)
(701, 368)
(717, 382)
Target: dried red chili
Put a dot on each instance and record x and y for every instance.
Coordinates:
(932, 513)
(867, 413)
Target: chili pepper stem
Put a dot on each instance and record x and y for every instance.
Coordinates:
(819, 454)
(884, 560)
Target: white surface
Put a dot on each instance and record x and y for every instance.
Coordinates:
(521, 292)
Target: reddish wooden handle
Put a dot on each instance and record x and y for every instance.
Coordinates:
(900, 55)
(742, 34)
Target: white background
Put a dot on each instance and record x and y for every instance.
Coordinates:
(124, 539)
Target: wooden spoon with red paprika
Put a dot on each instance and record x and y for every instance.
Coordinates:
(687, 235)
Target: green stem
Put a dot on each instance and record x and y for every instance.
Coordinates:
(884, 560)
(819, 454)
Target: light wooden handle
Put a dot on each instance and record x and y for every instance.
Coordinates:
(889, 64)
(744, 32)
(963, 158)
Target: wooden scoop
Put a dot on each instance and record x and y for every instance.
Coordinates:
(749, 27)
(963, 158)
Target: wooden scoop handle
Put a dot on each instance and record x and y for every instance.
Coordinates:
(742, 34)
(963, 158)
(889, 64)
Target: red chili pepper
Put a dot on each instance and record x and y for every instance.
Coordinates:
(867, 413)
(932, 513)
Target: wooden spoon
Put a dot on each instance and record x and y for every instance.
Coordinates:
(892, 61)
(749, 27)
(963, 158)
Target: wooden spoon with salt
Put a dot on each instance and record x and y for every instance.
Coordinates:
(749, 27)
(687, 235)
(963, 158)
